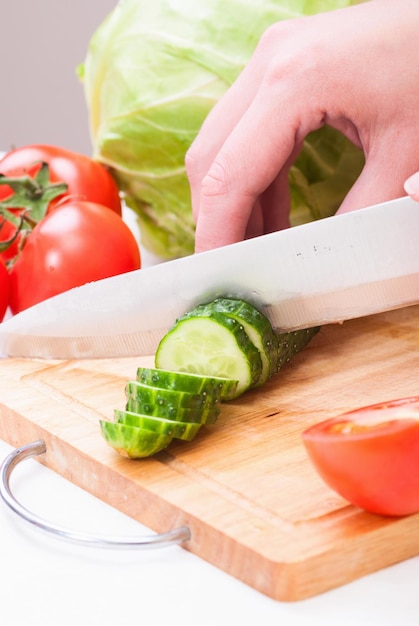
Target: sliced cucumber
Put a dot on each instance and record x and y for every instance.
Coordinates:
(211, 345)
(171, 397)
(256, 325)
(214, 352)
(179, 430)
(198, 415)
(187, 381)
(133, 442)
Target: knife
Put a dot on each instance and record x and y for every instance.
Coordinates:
(337, 268)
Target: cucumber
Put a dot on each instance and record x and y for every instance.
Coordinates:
(213, 353)
(133, 442)
(290, 343)
(198, 415)
(211, 345)
(256, 325)
(187, 381)
(180, 430)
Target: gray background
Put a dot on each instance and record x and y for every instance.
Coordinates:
(41, 98)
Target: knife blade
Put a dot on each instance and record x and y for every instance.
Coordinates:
(337, 268)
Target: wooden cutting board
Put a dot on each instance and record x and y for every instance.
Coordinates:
(245, 488)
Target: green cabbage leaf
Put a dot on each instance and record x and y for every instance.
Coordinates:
(153, 71)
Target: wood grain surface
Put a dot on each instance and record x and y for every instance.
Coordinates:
(245, 487)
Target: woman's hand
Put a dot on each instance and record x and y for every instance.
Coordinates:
(355, 69)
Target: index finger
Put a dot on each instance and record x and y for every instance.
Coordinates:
(250, 159)
(218, 125)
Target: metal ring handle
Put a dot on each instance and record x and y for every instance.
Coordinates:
(172, 537)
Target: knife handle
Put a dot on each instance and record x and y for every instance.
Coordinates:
(169, 538)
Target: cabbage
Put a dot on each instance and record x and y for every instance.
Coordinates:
(153, 71)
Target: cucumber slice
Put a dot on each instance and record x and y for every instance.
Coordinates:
(179, 430)
(171, 397)
(211, 345)
(186, 381)
(206, 415)
(256, 325)
(132, 442)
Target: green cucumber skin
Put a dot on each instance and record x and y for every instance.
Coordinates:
(185, 431)
(132, 442)
(186, 381)
(199, 415)
(291, 343)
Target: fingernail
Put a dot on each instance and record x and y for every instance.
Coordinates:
(411, 186)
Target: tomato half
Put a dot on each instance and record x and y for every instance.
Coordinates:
(4, 289)
(78, 242)
(370, 456)
(86, 178)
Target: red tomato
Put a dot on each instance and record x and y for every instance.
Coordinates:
(86, 178)
(78, 242)
(4, 289)
(370, 456)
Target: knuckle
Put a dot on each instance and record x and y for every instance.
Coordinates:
(216, 181)
(291, 52)
(212, 183)
(270, 37)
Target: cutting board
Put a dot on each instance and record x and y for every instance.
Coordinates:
(244, 487)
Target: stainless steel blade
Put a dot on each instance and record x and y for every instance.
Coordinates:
(337, 268)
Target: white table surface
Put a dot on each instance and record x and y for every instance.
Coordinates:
(52, 582)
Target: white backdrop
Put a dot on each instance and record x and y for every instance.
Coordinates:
(41, 98)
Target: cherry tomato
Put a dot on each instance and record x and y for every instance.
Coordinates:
(370, 456)
(86, 178)
(4, 289)
(76, 243)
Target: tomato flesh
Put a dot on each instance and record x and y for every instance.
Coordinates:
(370, 456)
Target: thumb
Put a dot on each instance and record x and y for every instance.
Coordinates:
(411, 186)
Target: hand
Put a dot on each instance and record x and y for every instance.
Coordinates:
(354, 69)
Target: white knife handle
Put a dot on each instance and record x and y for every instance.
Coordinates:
(175, 536)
